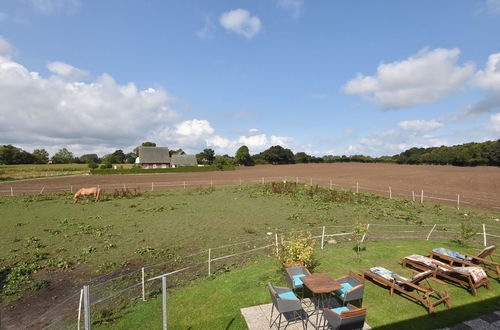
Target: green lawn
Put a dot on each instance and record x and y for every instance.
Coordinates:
(19, 172)
(215, 303)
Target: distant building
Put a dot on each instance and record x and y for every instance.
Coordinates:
(183, 160)
(159, 157)
(154, 157)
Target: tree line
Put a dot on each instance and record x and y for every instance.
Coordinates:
(469, 154)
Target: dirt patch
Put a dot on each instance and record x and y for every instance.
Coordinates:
(477, 186)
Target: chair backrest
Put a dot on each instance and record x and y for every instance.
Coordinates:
(273, 293)
(421, 276)
(486, 251)
(352, 319)
(297, 270)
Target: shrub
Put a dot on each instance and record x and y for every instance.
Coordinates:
(359, 231)
(466, 231)
(38, 284)
(299, 247)
(93, 165)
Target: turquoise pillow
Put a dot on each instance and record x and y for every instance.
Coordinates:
(345, 287)
(296, 279)
(288, 295)
(339, 310)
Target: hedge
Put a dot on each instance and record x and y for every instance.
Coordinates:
(162, 170)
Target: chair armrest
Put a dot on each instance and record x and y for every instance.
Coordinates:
(341, 278)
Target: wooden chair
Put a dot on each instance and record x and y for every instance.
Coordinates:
(411, 288)
(465, 259)
(469, 277)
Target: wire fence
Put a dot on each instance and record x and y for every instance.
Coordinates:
(109, 293)
(480, 200)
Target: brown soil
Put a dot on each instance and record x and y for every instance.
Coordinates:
(477, 186)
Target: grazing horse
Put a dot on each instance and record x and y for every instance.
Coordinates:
(87, 192)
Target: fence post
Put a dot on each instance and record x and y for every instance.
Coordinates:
(209, 261)
(164, 300)
(458, 201)
(390, 192)
(143, 285)
(364, 235)
(124, 186)
(357, 187)
(98, 186)
(323, 238)
(211, 183)
(484, 234)
(184, 184)
(240, 182)
(296, 179)
(71, 188)
(276, 243)
(41, 191)
(422, 197)
(413, 193)
(11, 191)
(86, 307)
(330, 184)
(152, 186)
(80, 310)
(262, 180)
(428, 236)
(311, 182)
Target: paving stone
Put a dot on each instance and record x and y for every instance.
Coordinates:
(460, 326)
(490, 318)
(479, 324)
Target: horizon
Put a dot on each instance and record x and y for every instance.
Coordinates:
(329, 78)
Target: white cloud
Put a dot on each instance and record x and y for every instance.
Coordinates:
(220, 143)
(188, 134)
(208, 30)
(254, 141)
(49, 7)
(66, 71)
(241, 22)
(495, 122)
(493, 6)
(424, 77)
(293, 6)
(6, 50)
(420, 125)
(280, 140)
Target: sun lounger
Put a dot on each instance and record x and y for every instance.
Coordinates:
(410, 287)
(470, 260)
(469, 277)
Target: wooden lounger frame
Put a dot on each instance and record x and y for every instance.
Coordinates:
(427, 296)
(489, 266)
(468, 283)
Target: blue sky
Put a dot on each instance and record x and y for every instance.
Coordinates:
(325, 77)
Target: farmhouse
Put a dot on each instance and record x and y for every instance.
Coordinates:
(159, 157)
(154, 157)
(183, 160)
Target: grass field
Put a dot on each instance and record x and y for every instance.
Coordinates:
(20, 172)
(227, 293)
(48, 237)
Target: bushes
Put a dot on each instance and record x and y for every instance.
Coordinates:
(298, 247)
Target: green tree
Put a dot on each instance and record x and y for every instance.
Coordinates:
(302, 157)
(278, 155)
(207, 156)
(89, 158)
(144, 144)
(243, 157)
(130, 157)
(41, 156)
(176, 152)
(13, 155)
(63, 156)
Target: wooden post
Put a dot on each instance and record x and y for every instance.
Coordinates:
(422, 197)
(413, 193)
(331, 184)
(364, 235)
(41, 191)
(484, 234)
(152, 186)
(11, 191)
(209, 261)
(86, 307)
(71, 188)
(296, 179)
(143, 286)
(390, 193)
(276, 242)
(164, 300)
(323, 238)
(458, 201)
(124, 186)
(357, 187)
(80, 310)
(211, 183)
(240, 182)
(184, 184)
(262, 180)
(311, 182)
(428, 236)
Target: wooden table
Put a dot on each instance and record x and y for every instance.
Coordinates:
(320, 285)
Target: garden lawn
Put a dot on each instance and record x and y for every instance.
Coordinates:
(20, 172)
(214, 303)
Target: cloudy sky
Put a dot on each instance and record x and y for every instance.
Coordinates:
(324, 77)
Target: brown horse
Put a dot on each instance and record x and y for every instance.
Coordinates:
(87, 192)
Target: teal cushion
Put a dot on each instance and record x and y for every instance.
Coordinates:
(296, 279)
(339, 310)
(345, 287)
(288, 295)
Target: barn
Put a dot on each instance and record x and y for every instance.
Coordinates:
(154, 157)
(183, 160)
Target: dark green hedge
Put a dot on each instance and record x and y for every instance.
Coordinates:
(162, 170)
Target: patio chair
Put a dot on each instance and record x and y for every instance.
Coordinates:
(411, 287)
(469, 277)
(293, 275)
(353, 287)
(288, 305)
(466, 259)
(345, 318)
